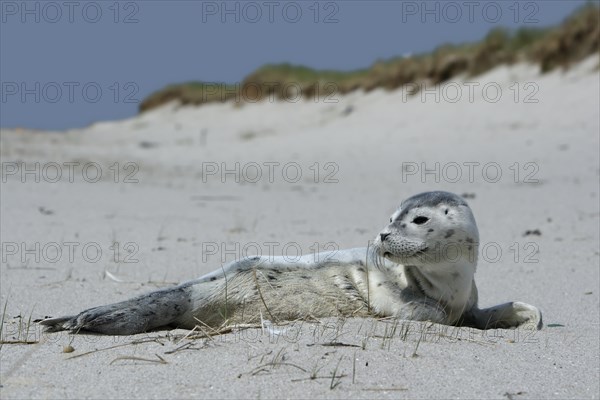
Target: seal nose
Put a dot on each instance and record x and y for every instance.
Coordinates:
(383, 236)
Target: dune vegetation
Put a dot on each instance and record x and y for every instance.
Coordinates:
(550, 48)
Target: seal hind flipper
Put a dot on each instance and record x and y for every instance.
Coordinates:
(143, 313)
(58, 324)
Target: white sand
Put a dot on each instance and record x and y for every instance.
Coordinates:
(173, 214)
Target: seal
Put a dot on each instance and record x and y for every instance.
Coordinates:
(420, 267)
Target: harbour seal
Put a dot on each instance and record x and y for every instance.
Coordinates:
(420, 267)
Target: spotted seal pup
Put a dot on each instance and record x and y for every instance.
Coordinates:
(420, 267)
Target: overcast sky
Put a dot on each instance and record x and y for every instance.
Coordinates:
(66, 64)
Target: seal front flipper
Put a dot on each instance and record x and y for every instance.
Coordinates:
(140, 314)
(504, 316)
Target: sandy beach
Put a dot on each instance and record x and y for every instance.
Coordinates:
(97, 215)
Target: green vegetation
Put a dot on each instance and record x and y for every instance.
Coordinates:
(558, 47)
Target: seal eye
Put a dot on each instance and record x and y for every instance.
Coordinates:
(391, 219)
(420, 220)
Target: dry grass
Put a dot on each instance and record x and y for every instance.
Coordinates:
(550, 48)
(191, 93)
(575, 39)
(24, 330)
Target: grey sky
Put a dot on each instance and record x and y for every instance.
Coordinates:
(56, 55)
